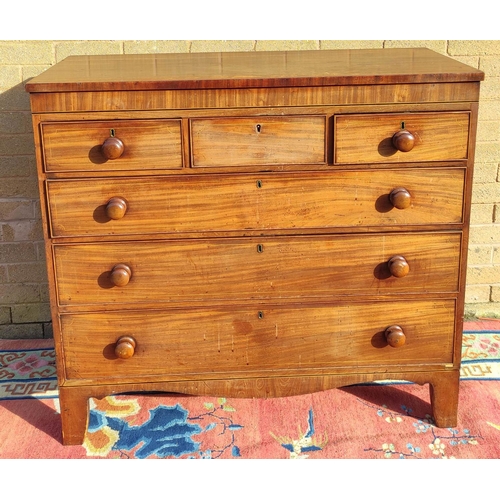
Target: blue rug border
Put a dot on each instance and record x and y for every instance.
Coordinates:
(29, 350)
(30, 397)
(475, 332)
(45, 379)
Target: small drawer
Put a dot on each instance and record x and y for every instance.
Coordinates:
(375, 138)
(260, 140)
(223, 269)
(248, 340)
(112, 145)
(268, 201)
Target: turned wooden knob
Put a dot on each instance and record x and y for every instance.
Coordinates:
(403, 141)
(121, 274)
(398, 266)
(112, 148)
(116, 208)
(395, 336)
(400, 198)
(125, 347)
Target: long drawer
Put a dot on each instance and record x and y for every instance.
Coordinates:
(232, 342)
(179, 204)
(112, 145)
(256, 268)
(368, 138)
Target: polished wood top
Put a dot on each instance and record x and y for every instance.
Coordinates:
(227, 70)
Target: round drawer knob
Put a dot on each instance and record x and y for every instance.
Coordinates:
(403, 141)
(398, 266)
(112, 148)
(395, 336)
(400, 198)
(125, 347)
(120, 275)
(116, 208)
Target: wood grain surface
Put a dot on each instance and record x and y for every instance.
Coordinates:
(263, 202)
(147, 144)
(367, 138)
(220, 343)
(251, 69)
(256, 268)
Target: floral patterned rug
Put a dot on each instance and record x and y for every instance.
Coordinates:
(388, 420)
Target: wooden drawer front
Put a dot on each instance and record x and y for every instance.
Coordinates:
(147, 144)
(368, 138)
(256, 268)
(237, 203)
(243, 341)
(275, 140)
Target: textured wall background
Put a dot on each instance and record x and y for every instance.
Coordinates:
(24, 308)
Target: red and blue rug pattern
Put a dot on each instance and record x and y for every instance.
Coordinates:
(27, 372)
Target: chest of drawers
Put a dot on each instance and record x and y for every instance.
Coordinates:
(255, 224)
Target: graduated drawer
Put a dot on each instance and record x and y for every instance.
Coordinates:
(146, 144)
(255, 268)
(368, 138)
(253, 339)
(215, 203)
(261, 140)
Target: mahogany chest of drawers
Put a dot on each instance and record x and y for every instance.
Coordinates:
(255, 224)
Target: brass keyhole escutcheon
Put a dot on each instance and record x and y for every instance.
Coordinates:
(260, 248)
(258, 128)
(259, 183)
(112, 132)
(260, 315)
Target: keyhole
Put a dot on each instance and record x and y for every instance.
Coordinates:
(260, 248)
(260, 315)
(259, 183)
(258, 128)
(112, 132)
(402, 125)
